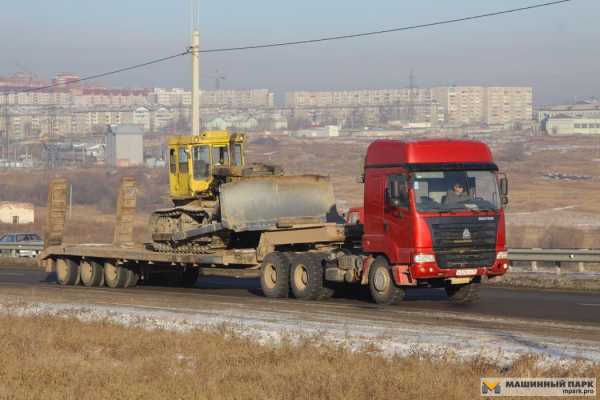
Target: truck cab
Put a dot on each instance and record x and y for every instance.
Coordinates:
(434, 210)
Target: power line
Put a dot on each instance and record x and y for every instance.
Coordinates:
(300, 42)
(104, 74)
(400, 29)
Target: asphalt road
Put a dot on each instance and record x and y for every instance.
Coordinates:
(565, 307)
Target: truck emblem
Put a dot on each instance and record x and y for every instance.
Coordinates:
(466, 234)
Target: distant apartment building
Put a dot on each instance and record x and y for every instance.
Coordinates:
(504, 105)
(172, 97)
(457, 105)
(356, 108)
(472, 105)
(254, 98)
(357, 98)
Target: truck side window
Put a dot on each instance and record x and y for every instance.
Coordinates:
(173, 161)
(397, 191)
(201, 162)
(183, 161)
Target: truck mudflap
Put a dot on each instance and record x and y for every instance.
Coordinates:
(264, 203)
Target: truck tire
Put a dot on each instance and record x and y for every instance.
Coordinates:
(382, 287)
(306, 277)
(275, 275)
(463, 294)
(67, 272)
(134, 278)
(189, 277)
(116, 276)
(327, 291)
(92, 273)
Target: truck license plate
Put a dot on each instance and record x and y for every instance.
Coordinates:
(466, 272)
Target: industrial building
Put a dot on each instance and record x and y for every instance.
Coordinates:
(125, 145)
(573, 126)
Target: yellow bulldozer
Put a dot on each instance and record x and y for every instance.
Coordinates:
(219, 200)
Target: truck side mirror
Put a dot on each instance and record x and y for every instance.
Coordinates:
(504, 186)
(504, 189)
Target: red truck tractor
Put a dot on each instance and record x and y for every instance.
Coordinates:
(432, 217)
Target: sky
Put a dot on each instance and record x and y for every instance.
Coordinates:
(554, 49)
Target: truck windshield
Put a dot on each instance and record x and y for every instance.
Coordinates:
(456, 190)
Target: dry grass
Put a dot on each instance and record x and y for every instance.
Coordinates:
(44, 357)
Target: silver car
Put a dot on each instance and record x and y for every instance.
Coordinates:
(32, 244)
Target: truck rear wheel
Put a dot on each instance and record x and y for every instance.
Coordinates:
(381, 284)
(116, 276)
(67, 272)
(275, 275)
(92, 273)
(306, 277)
(463, 294)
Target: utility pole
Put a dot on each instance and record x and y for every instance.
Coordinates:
(195, 50)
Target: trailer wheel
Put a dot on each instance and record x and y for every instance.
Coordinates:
(463, 294)
(92, 273)
(116, 276)
(306, 277)
(381, 284)
(67, 272)
(275, 275)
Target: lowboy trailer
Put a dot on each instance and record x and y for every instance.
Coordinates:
(432, 217)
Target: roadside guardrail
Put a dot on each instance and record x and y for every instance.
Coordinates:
(556, 256)
(20, 249)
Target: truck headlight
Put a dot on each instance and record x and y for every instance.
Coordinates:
(502, 255)
(424, 258)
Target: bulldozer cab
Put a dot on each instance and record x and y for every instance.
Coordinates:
(194, 161)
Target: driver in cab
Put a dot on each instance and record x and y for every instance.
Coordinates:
(457, 195)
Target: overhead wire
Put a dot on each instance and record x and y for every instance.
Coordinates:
(300, 42)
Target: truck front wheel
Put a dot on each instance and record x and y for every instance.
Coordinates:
(275, 275)
(381, 284)
(463, 294)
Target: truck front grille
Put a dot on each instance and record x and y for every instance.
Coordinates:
(464, 242)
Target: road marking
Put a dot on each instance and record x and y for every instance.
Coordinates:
(589, 304)
(12, 274)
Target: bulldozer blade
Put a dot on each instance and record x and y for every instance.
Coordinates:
(264, 203)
